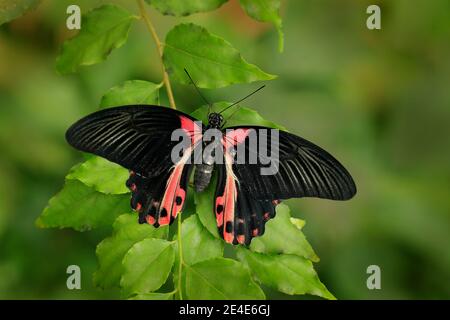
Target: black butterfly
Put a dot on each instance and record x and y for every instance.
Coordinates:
(139, 139)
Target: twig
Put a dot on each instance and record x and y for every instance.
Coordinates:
(152, 30)
(180, 258)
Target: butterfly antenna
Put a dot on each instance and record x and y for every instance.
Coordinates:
(239, 101)
(198, 91)
(231, 115)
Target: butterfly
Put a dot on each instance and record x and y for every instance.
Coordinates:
(139, 138)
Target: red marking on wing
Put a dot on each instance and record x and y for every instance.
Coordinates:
(234, 137)
(230, 196)
(230, 189)
(172, 190)
(150, 220)
(181, 193)
(219, 215)
(193, 130)
(164, 221)
(226, 203)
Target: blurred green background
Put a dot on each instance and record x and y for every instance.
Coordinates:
(377, 100)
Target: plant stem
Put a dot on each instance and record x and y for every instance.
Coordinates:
(180, 257)
(152, 30)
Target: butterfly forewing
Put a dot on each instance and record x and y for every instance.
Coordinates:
(136, 137)
(304, 170)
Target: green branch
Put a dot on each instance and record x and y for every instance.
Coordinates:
(159, 47)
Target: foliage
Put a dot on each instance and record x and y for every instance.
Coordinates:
(104, 29)
(82, 208)
(108, 179)
(377, 99)
(12, 9)
(266, 11)
(184, 8)
(139, 258)
(132, 92)
(211, 61)
(112, 250)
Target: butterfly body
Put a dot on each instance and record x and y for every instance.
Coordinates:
(215, 121)
(202, 175)
(204, 170)
(140, 139)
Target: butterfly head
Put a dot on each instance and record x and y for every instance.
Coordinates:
(215, 120)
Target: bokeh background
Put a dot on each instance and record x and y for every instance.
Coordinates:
(377, 100)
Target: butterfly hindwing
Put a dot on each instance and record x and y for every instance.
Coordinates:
(175, 192)
(159, 200)
(239, 216)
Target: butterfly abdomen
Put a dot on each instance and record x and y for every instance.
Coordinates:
(202, 176)
(204, 170)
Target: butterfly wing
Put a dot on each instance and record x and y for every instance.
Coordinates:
(160, 199)
(239, 216)
(245, 199)
(139, 139)
(136, 137)
(304, 169)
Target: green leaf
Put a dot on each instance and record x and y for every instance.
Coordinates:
(266, 11)
(282, 236)
(289, 274)
(299, 223)
(102, 175)
(204, 204)
(147, 265)
(110, 252)
(82, 208)
(221, 278)
(210, 60)
(12, 9)
(183, 8)
(153, 296)
(198, 243)
(132, 92)
(103, 29)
